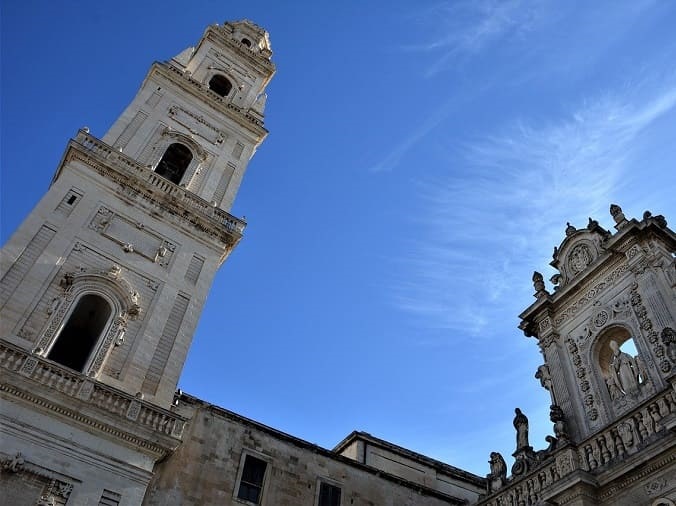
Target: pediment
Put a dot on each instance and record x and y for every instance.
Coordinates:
(578, 251)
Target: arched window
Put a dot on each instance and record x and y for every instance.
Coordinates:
(246, 42)
(77, 340)
(220, 85)
(175, 160)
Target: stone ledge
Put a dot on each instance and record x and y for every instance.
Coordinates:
(84, 401)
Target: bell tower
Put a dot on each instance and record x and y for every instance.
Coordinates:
(102, 285)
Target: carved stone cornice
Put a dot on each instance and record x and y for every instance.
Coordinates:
(85, 402)
(177, 203)
(223, 36)
(188, 84)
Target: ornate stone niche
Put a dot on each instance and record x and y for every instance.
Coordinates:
(111, 287)
(621, 369)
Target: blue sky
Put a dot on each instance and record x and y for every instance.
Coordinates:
(423, 159)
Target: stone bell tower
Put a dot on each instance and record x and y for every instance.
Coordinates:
(103, 283)
(606, 332)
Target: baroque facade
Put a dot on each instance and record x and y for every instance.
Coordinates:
(103, 283)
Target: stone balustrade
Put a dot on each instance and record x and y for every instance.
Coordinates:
(96, 394)
(128, 166)
(627, 436)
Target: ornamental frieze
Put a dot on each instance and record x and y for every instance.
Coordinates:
(591, 294)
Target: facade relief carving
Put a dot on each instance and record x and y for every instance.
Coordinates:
(580, 257)
(197, 124)
(133, 237)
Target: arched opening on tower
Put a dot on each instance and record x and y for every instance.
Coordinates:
(220, 85)
(174, 162)
(79, 335)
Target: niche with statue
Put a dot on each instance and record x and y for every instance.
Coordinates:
(622, 368)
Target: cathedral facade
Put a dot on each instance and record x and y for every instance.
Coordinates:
(102, 285)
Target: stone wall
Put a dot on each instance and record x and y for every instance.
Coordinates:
(207, 467)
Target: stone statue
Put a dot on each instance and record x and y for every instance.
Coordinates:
(669, 340)
(613, 388)
(617, 214)
(539, 285)
(521, 426)
(558, 418)
(545, 380)
(498, 475)
(623, 369)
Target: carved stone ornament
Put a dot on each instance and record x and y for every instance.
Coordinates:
(579, 258)
(14, 464)
(498, 475)
(617, 214)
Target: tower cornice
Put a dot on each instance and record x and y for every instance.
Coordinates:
(250, 122)
(205, 220)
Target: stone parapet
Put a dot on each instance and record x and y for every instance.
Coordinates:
(85, 401)
(639, 435)
(180, 202)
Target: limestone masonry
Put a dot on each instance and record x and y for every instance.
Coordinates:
(102, 285)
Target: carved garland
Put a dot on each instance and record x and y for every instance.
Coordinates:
(581, 372)
(652, 336)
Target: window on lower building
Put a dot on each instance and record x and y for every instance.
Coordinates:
(251, 482)
(329, 495)
(82, 331)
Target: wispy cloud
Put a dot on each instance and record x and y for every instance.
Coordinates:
(503, 207)
(470, 27)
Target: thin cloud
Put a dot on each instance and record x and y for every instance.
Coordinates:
(513, 187)
(471, 27)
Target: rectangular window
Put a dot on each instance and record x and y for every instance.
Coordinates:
(251, 482)
(109, 498)
(329, 495)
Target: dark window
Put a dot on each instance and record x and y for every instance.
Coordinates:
(71, 200)
(81, 332)
(251, 483)
(329, 495)
(246, 42)
(220, 84)
(175, 160)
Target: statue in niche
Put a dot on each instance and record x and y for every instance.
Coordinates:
(623, 369)
(613, 388)
(521, 426)
(498, 475)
